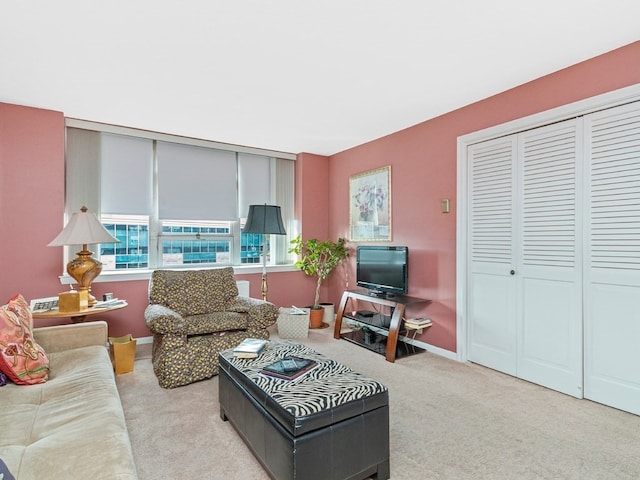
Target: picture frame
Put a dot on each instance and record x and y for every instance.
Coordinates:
(370, 205)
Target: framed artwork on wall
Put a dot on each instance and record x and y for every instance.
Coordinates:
(370, 205)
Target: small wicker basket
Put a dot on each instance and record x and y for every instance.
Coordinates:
(292, 325)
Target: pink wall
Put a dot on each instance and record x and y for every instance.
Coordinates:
(31, 200)
(423, 170)
(312, 200)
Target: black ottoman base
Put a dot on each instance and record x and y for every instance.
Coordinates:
(352, 449)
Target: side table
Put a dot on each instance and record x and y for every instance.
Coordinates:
(80, 315)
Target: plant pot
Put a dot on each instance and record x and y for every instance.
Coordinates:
(328, 312)
(315, 317)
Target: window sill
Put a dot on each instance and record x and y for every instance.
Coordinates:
(126, 276)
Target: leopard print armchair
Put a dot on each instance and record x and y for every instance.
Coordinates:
(194, 314)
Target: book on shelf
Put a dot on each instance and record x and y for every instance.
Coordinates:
(249, 348)
(417, 322)
(422, 323)
(289, 368)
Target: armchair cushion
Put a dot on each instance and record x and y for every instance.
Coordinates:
(217, 322)
(194, 292)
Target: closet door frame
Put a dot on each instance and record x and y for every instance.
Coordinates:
(565, 112)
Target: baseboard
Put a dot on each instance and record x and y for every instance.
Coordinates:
(432, 349)
(144, 340)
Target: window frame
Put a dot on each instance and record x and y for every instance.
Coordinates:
(156, 235)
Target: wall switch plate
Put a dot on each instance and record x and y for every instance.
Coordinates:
(444, 205)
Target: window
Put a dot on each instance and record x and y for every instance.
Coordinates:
(175, 202)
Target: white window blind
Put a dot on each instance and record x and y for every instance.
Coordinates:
(126, 175)
(285, 194)
(82, 171)
(196, 183)
(253, 181)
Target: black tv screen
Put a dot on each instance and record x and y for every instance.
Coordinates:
(382, 270)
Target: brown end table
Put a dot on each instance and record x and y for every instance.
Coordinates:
(79, 316)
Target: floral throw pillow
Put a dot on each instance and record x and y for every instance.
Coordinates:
(21, 358)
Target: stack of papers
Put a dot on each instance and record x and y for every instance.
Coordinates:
(114, 302)
(297, 311)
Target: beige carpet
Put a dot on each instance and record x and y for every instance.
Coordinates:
(448, 421)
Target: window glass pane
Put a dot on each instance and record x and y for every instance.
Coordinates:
(195, 226)
(132, 250)
(251, 248)
(201, 247)
(189, 252)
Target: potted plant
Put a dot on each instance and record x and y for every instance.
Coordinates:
(316, 258)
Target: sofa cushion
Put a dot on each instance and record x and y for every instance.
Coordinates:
(21, 358)
(72, 426)
(194, 292)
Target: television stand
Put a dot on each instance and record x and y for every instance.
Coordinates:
(379, 294)
(392, 322)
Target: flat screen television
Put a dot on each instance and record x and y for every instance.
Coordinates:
(382, 270)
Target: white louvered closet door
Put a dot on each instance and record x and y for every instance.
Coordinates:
(524, 279)
(612, 258)
(549, 267)
(491, 257)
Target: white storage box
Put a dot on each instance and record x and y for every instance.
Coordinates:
(292, 325)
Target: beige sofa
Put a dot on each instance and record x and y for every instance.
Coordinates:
(72, 426)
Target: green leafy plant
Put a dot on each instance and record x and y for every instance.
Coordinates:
(318, 258)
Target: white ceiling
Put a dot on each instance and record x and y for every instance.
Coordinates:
(290, 75)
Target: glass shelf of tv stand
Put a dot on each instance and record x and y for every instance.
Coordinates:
(387, 328)
(376, 340)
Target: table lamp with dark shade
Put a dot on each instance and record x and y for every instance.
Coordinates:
(84, 229)
(266, 220)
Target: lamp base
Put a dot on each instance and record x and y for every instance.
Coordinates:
(265, 288)
(84, 269)
(91, 299)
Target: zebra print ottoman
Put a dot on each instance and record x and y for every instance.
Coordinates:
(330, 424)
